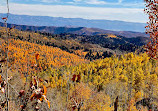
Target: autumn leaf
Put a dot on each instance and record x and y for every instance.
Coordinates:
(37, 56)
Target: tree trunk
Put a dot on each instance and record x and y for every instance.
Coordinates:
(116, 104)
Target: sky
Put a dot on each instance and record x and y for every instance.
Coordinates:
(122, 10)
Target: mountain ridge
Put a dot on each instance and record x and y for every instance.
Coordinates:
(75, 30)
(114, 25)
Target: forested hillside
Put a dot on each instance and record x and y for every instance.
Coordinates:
(88, 47)
(127, 79)
(22, 53)
(24, 61)
(121, 81)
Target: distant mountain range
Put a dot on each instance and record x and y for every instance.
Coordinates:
(75, 22)
(75, 30)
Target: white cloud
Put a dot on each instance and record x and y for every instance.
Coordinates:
(48, 1)
(68, 11)
(120, 1)
(104, 3)
(77, 0)
(96, 2)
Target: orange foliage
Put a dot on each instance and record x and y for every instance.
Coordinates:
(31, 58)
(37, 56)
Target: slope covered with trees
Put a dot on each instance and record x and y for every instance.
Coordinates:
(96, 85)
(22, 53)
(125, 80)
(130, 78)
(89, 47)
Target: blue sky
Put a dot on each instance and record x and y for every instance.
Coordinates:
(124, 10)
